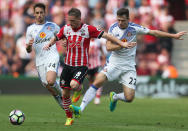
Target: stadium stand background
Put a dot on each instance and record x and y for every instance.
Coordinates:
(155, 56)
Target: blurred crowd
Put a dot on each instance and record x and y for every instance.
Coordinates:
(153, 54)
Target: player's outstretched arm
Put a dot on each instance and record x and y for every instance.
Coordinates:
(52, 42)
(29, 46)
(116, 40)
(158, 33)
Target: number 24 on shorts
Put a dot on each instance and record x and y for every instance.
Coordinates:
(51, 64)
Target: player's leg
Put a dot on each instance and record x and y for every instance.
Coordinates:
(91, 77)
(66, 104)
(91, 92)
(127, 96)
(76, 82)
(128, 80)
(109, 72)
(77, 93)
(98, 96)
(52, 85)
(89, 95)
(42, 72)
(66, 76)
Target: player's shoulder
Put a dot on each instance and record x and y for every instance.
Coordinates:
(134, 25)
(31, 26)
(51, 23)
(113, 26)
(137, 27)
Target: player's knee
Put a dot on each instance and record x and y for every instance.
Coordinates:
(99, 81)
(129, 99)
(74, 85)
(50, 82)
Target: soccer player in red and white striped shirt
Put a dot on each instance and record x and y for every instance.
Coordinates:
(78, 37)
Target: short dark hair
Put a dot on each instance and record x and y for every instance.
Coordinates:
(74, 12)
(40, 5)
(123, 11)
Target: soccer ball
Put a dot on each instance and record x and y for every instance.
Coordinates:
(16, 117)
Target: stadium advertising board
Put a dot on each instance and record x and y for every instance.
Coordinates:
(157, 87)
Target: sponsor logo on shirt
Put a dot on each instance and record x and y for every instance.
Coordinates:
(116, 35)
(42, 40)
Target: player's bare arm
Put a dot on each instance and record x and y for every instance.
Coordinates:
(158, 33)
(116, 40)
(29, 46)
(112, 47)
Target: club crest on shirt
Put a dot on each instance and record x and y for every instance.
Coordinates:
(82, 32)
(42, 35)
(124, 40)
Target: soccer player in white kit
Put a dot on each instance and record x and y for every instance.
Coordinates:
(121, 65)
(38, 35)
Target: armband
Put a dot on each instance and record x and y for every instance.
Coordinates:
(56, 38)
(100, 35)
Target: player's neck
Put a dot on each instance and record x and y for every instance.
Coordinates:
(78, 27)
(123, 28)
(40, 23)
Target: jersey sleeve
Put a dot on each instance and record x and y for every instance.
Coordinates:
(94, 32)
(57, 29)
(28, 35)
(141, 30)
(60, 34)
(110, 31)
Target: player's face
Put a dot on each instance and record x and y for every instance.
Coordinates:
(39, 15)
(123, 21)
(74, 21)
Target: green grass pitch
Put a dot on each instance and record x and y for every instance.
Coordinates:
(43, 114)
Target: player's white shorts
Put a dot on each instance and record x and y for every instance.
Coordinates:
(43, 69)
(125, 77)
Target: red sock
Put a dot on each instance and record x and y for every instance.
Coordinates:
(66, 104)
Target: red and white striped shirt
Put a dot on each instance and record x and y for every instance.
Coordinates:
(78, 43)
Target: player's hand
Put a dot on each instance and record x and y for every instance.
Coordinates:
(180, 34)
(47, 47)
(130, 44)
(31, 42)
(64, 42)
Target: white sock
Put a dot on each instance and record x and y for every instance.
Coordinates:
(89, 96)
(59, 95)
(59, 100)
(119, 96)
(57, 88)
